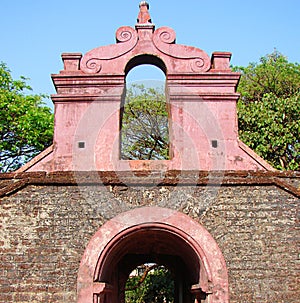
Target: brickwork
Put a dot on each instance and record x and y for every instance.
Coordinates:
(46, 227)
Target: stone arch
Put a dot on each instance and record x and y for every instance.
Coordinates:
(152, 234)
(145, 59)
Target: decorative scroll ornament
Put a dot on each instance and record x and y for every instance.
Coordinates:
(164, 40)
(125, 34)
(94, 65)
(95, 60)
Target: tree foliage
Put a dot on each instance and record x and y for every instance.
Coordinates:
(26, 125)
(145, 133)
(269, 110)
(273, 74)
(154, 285)
(271, 128)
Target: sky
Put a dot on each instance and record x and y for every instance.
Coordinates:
(34, 33)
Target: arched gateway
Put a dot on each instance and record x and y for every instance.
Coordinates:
(153, 234)
(201, 101)
(70, 191)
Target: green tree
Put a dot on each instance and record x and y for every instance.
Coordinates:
(26, 124)
(145, 133)
(269, 110)
(154, 284)
(272, 74)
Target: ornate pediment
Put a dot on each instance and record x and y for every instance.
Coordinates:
(144, 40)
(201, 93)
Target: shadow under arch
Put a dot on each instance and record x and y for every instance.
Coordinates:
(152, 234)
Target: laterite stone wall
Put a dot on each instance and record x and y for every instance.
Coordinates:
(47, 221)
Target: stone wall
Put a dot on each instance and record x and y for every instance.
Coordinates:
(48, 219)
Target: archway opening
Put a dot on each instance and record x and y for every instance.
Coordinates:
(144, 121)
(161, 248)
(153, 235)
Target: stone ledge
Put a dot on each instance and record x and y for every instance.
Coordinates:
(12, 182)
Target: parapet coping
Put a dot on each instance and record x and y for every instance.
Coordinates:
(13, 182)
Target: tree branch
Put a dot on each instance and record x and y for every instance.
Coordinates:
(143, 277)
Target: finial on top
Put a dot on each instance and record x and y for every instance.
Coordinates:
(144, 16)
(144, 3)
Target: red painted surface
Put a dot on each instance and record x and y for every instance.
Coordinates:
(144, 16)
(202, 97)
(152, 232)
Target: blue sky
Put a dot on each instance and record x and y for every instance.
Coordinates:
(34, 33)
